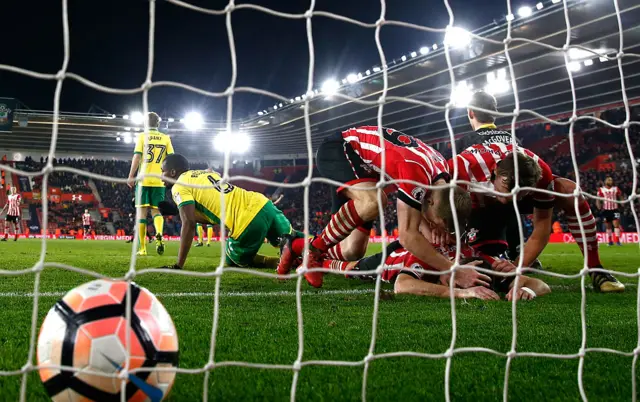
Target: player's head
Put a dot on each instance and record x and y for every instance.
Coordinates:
(608, 181)
(173, 166)
(86, 211)
(504, 176)
(13, 189)
(482, 100)
(438, 211)
(153, 119)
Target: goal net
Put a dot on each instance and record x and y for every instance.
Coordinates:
(512, 52)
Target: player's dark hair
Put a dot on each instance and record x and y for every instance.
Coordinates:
(154, 120)
(529, 171)
(176, 162)
(461, 202)
(483, 100)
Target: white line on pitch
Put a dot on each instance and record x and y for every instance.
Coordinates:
(342, 292)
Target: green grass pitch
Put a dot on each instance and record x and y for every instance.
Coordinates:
(258, 324)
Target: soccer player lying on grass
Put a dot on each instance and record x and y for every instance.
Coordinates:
(403, 270)
(354, 157)
(250, 217)
(493, 165)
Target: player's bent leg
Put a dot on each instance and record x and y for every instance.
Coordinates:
(242, 251)
(354, 247)
(602, 281)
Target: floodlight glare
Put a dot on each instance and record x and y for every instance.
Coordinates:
(330, 86)
(137, 117)
(127, 139)
(457, 37)
(232, 142)
(462, 94)
(539, 6)
(193, 121)
(424, 50)
(574, 66)
(525, 12)
(351, 78)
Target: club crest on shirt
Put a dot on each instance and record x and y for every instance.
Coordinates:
(177, 198)
(472, 235)
(4, 113)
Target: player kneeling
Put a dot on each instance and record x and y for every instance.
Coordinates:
(406, 273)
(250, 217)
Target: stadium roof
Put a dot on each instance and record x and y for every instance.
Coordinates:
(541, 78)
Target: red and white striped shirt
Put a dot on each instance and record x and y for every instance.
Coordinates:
(611, 194)
(406, 158)
(86, 219)
(401, 261)
(477, 163)
(14, 201)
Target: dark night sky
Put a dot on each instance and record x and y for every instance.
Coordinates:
(109, 46)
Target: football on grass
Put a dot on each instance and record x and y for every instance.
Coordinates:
(87, 331)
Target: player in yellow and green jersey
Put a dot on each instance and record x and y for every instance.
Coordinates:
(151, 150)
(250, 217)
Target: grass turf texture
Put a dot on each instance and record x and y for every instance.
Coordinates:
(260, 328)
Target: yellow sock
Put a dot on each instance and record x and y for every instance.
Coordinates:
(158, 223)
(142, 235)
(200, 232)
(209, 234)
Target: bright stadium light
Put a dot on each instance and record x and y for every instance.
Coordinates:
(171, 119)
(352, 78)
(376, 69)
(414, 54)
(525, 11)
(403, 58)
(137, 117)
(457, 37)
(511, 17)
(126, 117)
(330, 86)
(539, 6)
(556, 1)
(462, 94)
(434, 47)
(424, 50)
(588, 62)
(233, 142)
(574, 66)
(127, 138)
(192, 121)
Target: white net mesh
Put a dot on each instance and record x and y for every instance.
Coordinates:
(508, 41)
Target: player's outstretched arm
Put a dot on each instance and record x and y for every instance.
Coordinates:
(528, 289)
(188, 218)
(407, 284)
(539, 237)
(411, 238)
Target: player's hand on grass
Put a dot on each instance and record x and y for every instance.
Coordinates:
(479, 292)
(503, 266)
(520, 294)
(467, 278)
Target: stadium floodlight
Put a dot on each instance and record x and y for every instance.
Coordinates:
(330, 86)
(574, 66)
(403, 58)
(556, 1)
(376, 69)
(137, 117)
(461, 96)
(297, 98)
(525, 11)
(126, 117)
(118, 139)
(352, 78)
(457, 37)
(368, 72)
(260, 113)
(511, 17)
(113, 116)
(171, 119)
(434, 47)
(193, 121)
(424, 50)
(603, 59)
(237, 142)
(540, 6)
(414, 54)
(127, 138)
(588, 62)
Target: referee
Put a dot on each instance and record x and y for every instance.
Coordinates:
(486, 133)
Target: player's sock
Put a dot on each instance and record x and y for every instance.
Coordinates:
(142, 235)
(264, 261)
(589, 224)
(616, 236)
(158, 223)
(200, 233)
(608, 235)
(339, 228)
(335, 253)
(209, 234)
(335, 265)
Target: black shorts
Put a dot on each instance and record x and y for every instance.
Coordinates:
(336, 160)
(610, 215)
(86, 228)
(12, 219)
(487, 228)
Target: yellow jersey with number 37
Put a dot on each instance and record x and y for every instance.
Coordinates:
(154, 147)
(241, 206)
